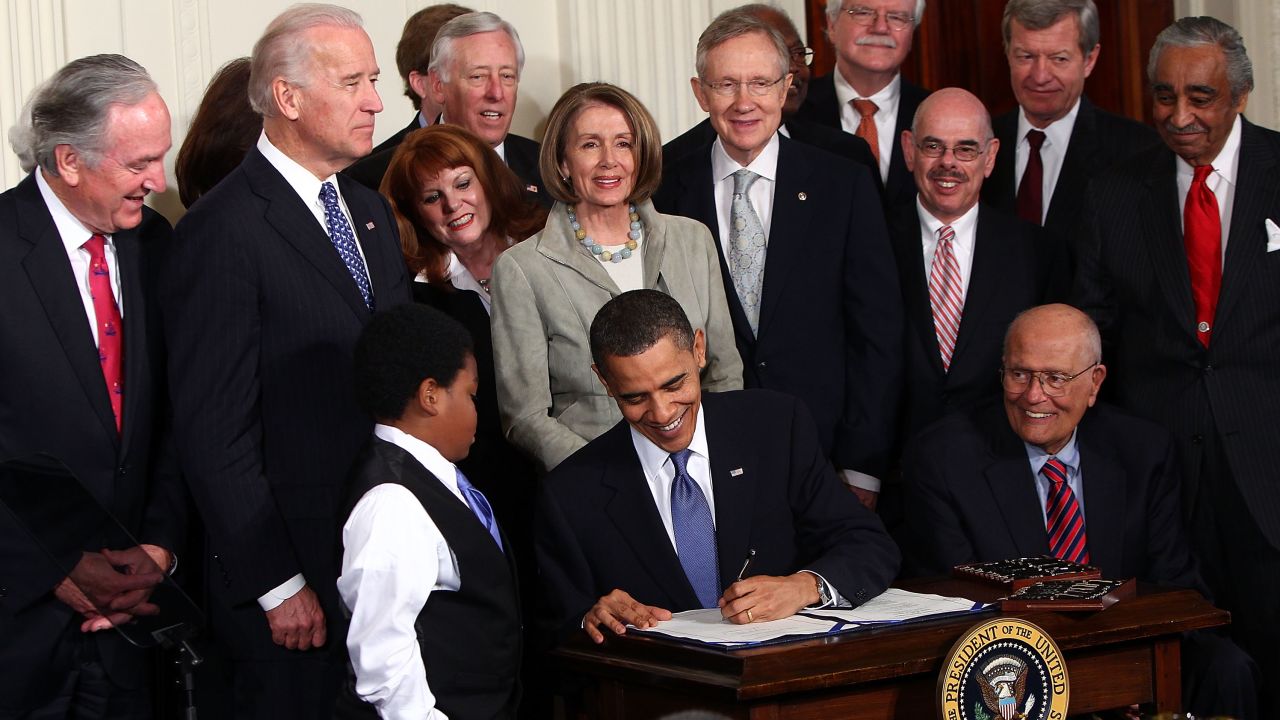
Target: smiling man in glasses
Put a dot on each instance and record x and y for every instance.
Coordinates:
(866, 95)
(1054, 472)
(806, 261)
(965, 269)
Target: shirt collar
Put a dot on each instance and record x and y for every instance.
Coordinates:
(1058, 132)
(886, 99)
(73, 232)
(1069, 454)
(765, 165)
(299, 178)
(423, 452)
(1228, 161)
(652, 457)
(964, 226)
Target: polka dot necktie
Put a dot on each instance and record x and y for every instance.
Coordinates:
(344, 241)
(110, 327)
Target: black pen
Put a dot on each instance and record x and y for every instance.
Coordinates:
(751, 555)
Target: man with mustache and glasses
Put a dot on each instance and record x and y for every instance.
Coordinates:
(1179, 263)
(965, 269)
(866, 95)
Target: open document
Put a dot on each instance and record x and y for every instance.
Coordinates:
(893, 606)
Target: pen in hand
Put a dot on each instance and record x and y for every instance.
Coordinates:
(751, 555)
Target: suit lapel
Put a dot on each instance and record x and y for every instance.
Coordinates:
(51, 278)
(1163, 236)
(293, 221)
(558, 244)
(734, 494)
(915, 286)
(1013, 487)
(1081, 148)
(984, 281)
(788, 228)
(1256, 192)
(633, 513)
(655, 245)
(1003, 189)
(136, 357)
(1104, 502)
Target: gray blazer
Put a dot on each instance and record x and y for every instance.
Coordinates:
(547, 290)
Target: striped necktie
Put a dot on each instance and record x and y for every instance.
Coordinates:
(945, 294)
(1063, 520)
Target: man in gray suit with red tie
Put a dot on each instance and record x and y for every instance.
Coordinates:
(272, 277)
(1179, 263)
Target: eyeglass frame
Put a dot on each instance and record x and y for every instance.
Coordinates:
(1040, 375)
(729, 88)
(896, 21)
(804, 54)
(978, 151)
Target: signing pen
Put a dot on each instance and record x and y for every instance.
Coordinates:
(751, 555)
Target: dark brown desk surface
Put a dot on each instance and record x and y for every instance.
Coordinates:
(1126, 654)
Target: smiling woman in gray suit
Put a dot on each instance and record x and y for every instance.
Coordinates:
(602, 158)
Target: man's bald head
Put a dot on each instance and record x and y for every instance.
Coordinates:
(1061, 321)
(954, 101)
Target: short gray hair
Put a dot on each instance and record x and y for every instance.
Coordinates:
(1197, 31)
(735, 23)
(835, 7)
(71, 108)
(1040, 14)
(474, 23)
(280, 53)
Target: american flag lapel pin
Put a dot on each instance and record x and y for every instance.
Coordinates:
(369, 225)
(735, 472)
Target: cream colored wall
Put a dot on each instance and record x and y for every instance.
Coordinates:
(643, 45)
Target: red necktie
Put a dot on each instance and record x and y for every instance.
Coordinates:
(945, 294)
(867, 124)
(1031, 191)
(110, 328)
(1063, 519)
(1202, 235)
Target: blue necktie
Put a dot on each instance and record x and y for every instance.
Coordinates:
(695, 533)
(479, 506)
(345, 241)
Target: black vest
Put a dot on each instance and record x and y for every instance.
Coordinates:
(470, 639)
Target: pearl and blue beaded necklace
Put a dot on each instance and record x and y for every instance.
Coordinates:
(596, 249)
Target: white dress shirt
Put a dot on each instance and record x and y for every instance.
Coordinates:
(760, 193)
(966, 230)
(1070, 456)
(1057, 137)
(886, 117)
(74, 234)
(394, 557)
(1222, 181)
(305, 184)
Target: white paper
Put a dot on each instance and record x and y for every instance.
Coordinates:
(707, 626)
(895, 605)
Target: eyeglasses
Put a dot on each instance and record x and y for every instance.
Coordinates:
(866, 17)
(962, 153)
(802, 55)
(729, 88)
(1054, 384)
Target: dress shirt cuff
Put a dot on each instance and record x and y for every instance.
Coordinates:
(853, 478)
(837, 600)
(282, 592)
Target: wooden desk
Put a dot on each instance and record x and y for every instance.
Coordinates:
(1126, 654)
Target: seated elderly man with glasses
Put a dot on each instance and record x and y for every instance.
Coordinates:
(1053, 472)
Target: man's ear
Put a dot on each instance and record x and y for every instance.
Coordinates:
(420, 85)
(69, 162)
(603, 380)
(700, 348)
(287, 98)
(427, 397)
(436, 86)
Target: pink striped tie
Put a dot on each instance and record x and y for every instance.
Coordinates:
(945, 295)
(1063, 519)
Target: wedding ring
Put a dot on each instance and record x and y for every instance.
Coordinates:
(749, 618)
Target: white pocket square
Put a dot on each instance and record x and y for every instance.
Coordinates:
(1273, 236)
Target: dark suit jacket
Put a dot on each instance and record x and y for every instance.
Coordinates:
(822, 107)
(368, 171)
(53, 400)
(1099, 140)
(836, 142)
(830, 328)
(973, 499)
(262, 317)
(598, 528)
(1133, 279)
(1011, 264)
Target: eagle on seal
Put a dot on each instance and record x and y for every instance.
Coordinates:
(1004, 685)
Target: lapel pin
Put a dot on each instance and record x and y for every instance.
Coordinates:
(735, 472)
(531, 189)
(803, 196)
(369, 225)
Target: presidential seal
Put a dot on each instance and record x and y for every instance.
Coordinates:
(1004, 669)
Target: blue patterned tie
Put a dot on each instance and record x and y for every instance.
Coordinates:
(479, 506)
(695, 533)
(345, 241)
(747, 246)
